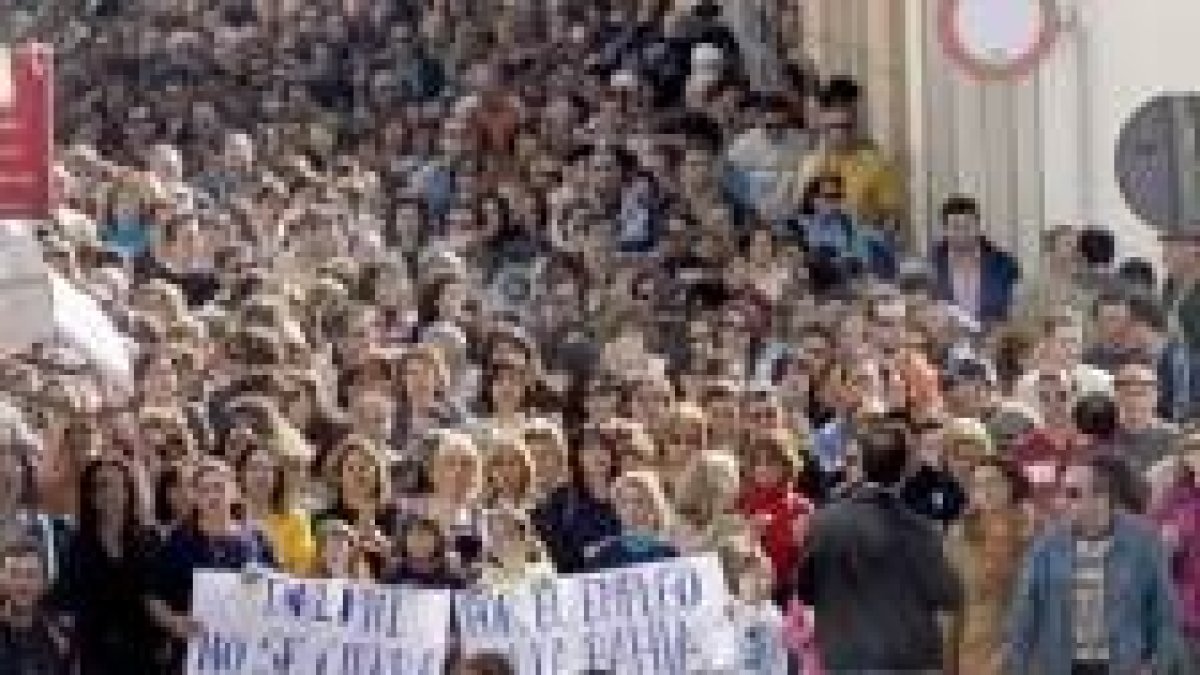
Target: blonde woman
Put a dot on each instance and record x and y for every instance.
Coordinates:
(456, 484)
(966, 442)
(646, 523)
(707, 505)
(512, 552)
(423, 407)
(681, 443)
(509, 472)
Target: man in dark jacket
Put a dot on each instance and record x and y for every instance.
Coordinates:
(875, 574)
(971, 271)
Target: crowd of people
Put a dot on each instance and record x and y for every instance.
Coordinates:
(457, 292)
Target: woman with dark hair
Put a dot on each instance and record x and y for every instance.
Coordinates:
(211, 539)
(103, 583)
(575, 519)
(987, 547)
(267, 510)
(172, 497)
(361, 498)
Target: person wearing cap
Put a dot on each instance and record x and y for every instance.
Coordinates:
(969, 269)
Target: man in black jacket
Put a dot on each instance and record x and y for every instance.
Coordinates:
(875, 573)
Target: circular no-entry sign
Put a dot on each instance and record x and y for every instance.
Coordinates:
(998, 39)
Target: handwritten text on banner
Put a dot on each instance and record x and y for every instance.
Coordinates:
(277, 625)
(659, 619)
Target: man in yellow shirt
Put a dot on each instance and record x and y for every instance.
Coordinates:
(873, 186)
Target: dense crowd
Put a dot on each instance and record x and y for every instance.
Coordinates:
(457, 292)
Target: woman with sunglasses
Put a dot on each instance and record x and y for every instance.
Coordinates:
(1094, 594)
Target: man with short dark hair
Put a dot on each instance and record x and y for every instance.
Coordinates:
(875, 572)
(1143, 438)
(970, 271)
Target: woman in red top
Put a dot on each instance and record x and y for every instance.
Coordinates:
(769, 500)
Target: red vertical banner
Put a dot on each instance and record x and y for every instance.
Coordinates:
(26, 132)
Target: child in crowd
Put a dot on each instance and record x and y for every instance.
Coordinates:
(512, 553)
(424, 558)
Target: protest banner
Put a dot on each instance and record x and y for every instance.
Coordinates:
(26, 141)
(758, 634)
(279, 625)
(665, 618)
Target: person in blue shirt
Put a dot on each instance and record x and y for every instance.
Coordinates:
(645, 516)
(832, 232)
(127, 231)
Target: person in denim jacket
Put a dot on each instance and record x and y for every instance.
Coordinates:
(1094, 594)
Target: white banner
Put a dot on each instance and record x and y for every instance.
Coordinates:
(665, 618)
(26, 298)
(279, 625)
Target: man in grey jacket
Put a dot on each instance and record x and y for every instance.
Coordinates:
(875, 573)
